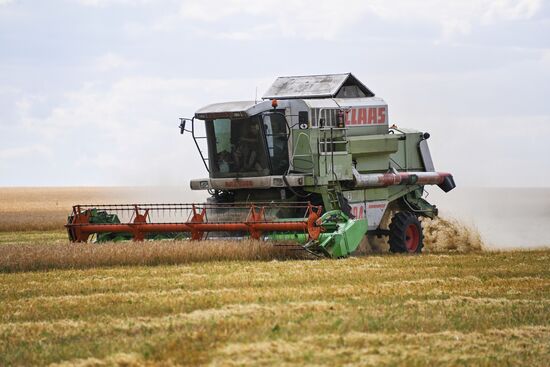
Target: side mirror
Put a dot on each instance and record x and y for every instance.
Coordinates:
(182, 125)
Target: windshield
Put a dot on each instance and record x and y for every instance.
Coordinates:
(236, 147)
(254, 146)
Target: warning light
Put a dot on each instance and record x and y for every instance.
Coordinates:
(274, 103)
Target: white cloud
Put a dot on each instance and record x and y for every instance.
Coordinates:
(456, 16)
(131, 103)
(126, 128)
(308, 18)
(25, 151)
(324, 19)
(103, 3)
(128, 132)
(510, 10)
(252, 34)
(111, 61)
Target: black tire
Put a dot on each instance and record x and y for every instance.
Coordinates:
(406, 233)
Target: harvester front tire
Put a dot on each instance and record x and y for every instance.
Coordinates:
(406, 233)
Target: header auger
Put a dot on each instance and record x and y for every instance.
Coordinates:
(315, 163)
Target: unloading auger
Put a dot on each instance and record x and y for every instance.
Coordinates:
(315, 163)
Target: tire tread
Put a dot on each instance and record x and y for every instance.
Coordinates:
(398, 226)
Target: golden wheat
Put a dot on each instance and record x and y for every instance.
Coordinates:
(438, 309)
(26, 209)
(47, 208)
(21, 257)
(224, 303)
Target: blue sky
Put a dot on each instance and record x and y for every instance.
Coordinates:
(91, 90)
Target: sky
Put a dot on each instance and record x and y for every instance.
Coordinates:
(91, 90)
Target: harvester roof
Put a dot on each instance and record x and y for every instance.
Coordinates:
(238, 109)
(318, 86)
(317, 91)
(236, 106)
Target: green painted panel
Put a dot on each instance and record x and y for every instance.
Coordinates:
(408, 155)
(341, 163)
(363, 145)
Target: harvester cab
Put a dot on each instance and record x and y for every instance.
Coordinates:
(315, 162)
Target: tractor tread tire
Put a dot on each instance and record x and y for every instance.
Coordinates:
(398, 227)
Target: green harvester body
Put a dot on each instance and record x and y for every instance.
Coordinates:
(324, 140)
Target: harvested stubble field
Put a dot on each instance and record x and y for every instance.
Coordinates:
(167, 303)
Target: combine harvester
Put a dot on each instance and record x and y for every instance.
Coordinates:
(315, 163)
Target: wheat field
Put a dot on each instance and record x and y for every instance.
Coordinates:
(47, 208)
(463, 309)
(173, 303)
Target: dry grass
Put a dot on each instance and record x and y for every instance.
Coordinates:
(46, 208)
(36, 256)
(452, 306)
(40, 220)
(445, 310)
(33, 238)
(28, 251)
(28, 208)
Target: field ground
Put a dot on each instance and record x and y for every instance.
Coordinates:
(439, 308)
(475, 309)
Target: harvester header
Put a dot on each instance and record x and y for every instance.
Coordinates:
(318, 153)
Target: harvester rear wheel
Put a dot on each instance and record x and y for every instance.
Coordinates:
(406, 233)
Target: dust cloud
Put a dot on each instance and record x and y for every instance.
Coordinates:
(450, 235)
(441, 235)
(504, 218)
